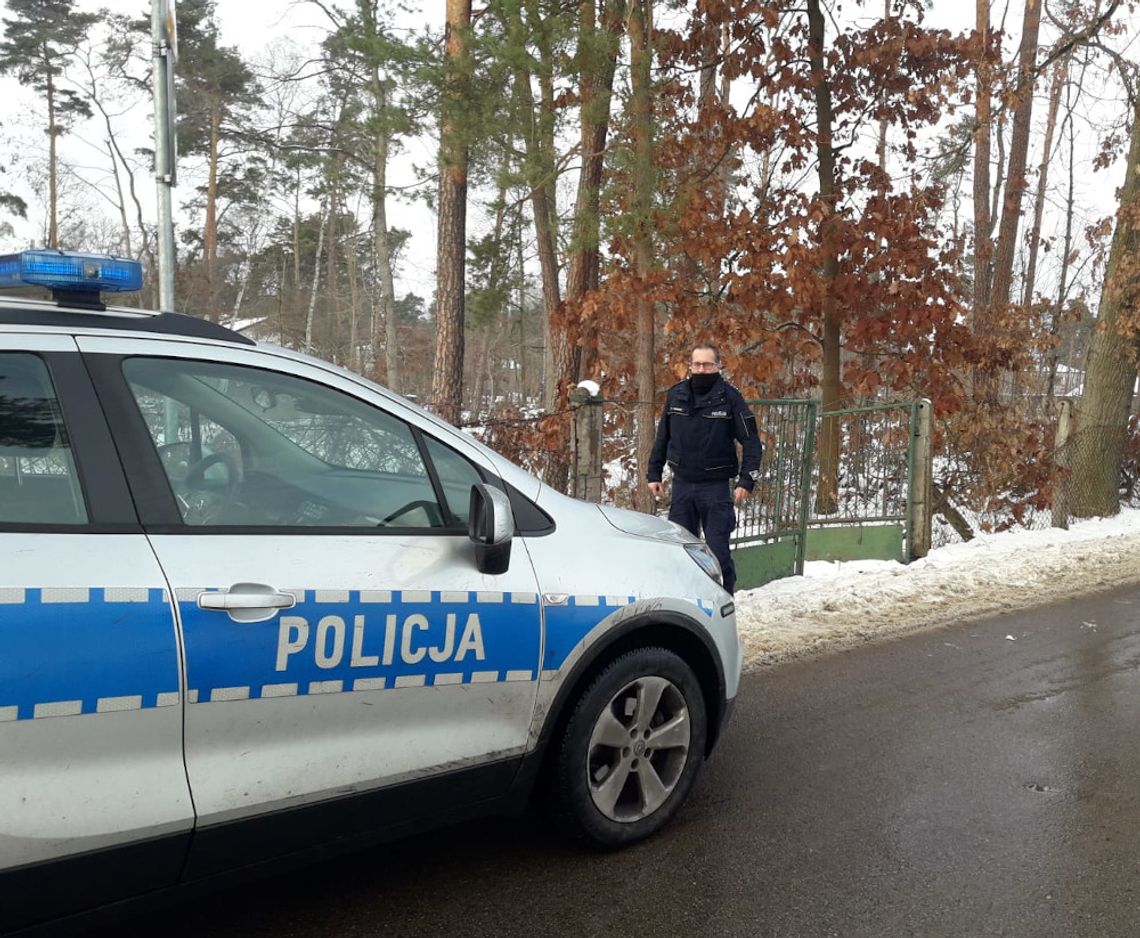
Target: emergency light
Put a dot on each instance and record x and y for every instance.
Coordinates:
(70, 272)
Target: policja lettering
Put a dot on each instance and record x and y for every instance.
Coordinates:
(330, 640)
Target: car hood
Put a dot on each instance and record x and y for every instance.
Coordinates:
(643, 525)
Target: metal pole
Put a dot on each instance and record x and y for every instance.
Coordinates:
(163, 152)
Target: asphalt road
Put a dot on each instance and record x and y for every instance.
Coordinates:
(952, 783)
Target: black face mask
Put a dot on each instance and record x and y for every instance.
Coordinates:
(704, 382)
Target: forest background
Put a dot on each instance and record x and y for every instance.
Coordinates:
(480, 206)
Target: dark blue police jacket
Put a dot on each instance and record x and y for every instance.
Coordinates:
(698, 434)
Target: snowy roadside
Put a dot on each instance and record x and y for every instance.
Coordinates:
(836, 605)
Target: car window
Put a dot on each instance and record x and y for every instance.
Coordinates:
(38, 479)
(248, 447)
(456, 476)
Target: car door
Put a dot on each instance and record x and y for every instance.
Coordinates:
(94, 803)
(339, 639)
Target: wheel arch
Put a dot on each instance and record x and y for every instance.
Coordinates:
(659, 629)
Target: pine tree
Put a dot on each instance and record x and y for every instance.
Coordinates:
(451, 250)
(39, 39)
(215, 87)
(369, 58)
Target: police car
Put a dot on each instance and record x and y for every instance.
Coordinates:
(256, 607)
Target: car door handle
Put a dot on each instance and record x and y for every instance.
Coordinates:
(247, 602)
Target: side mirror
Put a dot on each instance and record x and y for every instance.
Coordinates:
(490, 525)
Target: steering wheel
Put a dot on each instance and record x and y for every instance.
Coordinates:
(431, 509)
(175, 459)
(196, 475)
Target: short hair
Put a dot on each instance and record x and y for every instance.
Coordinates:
(708, 347)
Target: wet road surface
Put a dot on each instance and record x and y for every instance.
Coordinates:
(955, 782)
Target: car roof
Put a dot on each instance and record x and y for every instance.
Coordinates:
(19, 311)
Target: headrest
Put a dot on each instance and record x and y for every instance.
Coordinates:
(28, 417)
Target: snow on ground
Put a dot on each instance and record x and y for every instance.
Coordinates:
(835, 605)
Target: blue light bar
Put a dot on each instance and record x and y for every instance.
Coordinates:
(70, 271)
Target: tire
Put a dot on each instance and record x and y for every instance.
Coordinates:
(609, 738)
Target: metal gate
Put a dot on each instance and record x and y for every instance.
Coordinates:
(770, 540)
(881, 505)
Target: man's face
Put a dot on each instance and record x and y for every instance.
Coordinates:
(703, 361)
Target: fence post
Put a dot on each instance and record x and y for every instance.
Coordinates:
(1061, 463)
(586, 481)
(806, 467)
(921, 478)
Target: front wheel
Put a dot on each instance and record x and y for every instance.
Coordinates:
(631, 750)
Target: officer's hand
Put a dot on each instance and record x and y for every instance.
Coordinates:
(740, 494)
(656, 488)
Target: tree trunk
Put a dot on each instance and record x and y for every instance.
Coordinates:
(944, 507)
(1110, 372)
(332, 337)
(53, 169)
(1015, 182)
(1067, 247)
(540, 172)
(93, 91)
(995, 205)
(283, 273)
(120, 201)
(524, 372)
(316, 282)
(381, 244)
(827, 498)
(297, 232)
(715, 149)
(496, 276)
(352, 268)
(140, 218)
(447, 376)
(210, 230)
(710, 53)
(724, 172)
(641, 121)
(482, 375)
(881, 150)
(598, 54)
(235, 311)
(382, 249)
(1059, 76)
(982, 221)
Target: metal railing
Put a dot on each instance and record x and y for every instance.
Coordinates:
(780, 501)
(877, 460)
(879, 506)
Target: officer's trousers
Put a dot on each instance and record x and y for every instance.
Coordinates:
(707, 507)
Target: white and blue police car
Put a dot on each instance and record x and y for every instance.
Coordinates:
(255, 607)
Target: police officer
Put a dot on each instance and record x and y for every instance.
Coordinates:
(704, 418)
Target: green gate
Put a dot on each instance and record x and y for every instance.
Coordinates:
(770, 540)
(877, 499)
